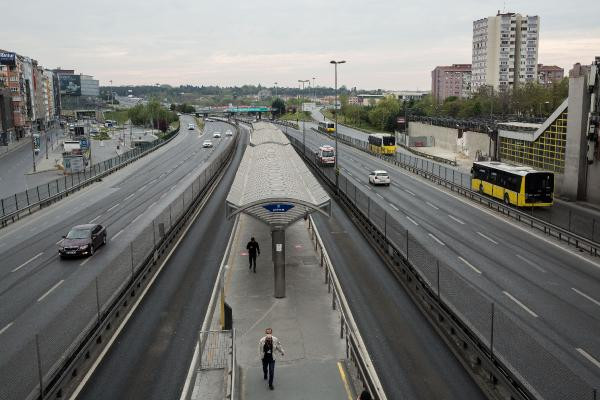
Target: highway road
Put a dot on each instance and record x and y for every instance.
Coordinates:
(152, 355)
(36, 286)
(551, 290)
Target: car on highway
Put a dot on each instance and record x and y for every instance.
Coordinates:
(207, 143)
(217, 135)
(379, 177)
(82, 240)
(191, 127)
(228, 133)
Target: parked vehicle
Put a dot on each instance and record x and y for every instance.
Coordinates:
(379, 177)
(82, 240)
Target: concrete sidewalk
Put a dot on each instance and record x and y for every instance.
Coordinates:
(304, 321)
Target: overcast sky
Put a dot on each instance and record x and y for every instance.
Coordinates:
(389, 44)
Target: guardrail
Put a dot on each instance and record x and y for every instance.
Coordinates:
(52, 362)
(16, 206)
(497, 348)
(457, 182)
(429, 156)
(356, 350)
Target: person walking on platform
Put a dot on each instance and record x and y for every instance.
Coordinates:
(253, 250)
(267, 346)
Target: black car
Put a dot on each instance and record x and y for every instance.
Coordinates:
(82, 240)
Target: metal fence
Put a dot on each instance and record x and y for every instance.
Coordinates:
(576, 228)
(11, 207)
(26, 370)
(510, 343)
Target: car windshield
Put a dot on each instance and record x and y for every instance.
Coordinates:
(328, 154)
(382, 174)
(79, 234)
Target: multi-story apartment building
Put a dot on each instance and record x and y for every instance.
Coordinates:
(548, 74)
(505, 51)
(452, 80)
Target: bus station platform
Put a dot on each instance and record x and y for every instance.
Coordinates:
(313, 366)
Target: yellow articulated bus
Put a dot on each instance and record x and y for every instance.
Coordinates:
(515, 185)
(382, 144)
(326, 127)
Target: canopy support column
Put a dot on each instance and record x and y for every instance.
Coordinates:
(278, 241)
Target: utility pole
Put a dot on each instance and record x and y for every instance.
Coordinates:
(303, 81)
(275, 89)
(314, 90)
(337, 155)
(33, 149)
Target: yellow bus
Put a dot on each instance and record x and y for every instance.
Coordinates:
(515, 185)
(326, 127)
(382, 143)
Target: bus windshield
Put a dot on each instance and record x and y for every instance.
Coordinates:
(539, 183)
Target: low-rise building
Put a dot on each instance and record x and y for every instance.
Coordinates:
(451, 80)
(548, 74)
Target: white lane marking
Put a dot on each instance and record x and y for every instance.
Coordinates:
(456, 219)
(596, 302)
(85, 261)
(59, 241)
(436, 239)
(6, 327)
(534, 265)
(523, 306)
(412, 220)
(94, 220)
(51, 290)
(409, 192)
(142, 188)
(172, 187)
(136, 218)
(151, 205)
(117, 234)
(432, 206)
(113, 207)
(27, 262)
(163, 195)
(468, 264)
(128, 197)
(378, 195)
(487, 237)
(394, 207)
(588, 356)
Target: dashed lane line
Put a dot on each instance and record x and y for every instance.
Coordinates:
(412, 220)
(468, 264)
(378, 195)
(113, 207)
(436, 239)
(50, 290)
(588, 357)
(117, 234)
(27, 262)
(95, 219)
(596, 302)
(85, 261)
(128, 197)
(394, 207)
(523, 306)
(487, 237)
(452, 217)
(409, 192)
(432, 206)
(534, 265)
(6, 327)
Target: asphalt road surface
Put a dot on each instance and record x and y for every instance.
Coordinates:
(36, 286)
(550, 289)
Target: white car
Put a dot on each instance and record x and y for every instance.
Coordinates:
(207, 143)
(228, 133)
(217, 135)
(191, 127)
(379, 177)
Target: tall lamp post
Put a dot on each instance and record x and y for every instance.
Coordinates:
(303, 81)
(275, 89)
(337, 169)
(314, 90)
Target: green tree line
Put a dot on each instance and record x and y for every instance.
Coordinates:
(152, 114)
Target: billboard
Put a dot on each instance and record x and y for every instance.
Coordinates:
(7, 58)
(73, 164)
(70, 85)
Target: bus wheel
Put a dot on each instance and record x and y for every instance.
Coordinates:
(506, 199)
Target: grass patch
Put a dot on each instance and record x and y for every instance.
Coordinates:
(199, 123)
(343, 121)
(299, 116)
(121, 116)
(103, 135)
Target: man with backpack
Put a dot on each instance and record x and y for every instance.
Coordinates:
(267, 346)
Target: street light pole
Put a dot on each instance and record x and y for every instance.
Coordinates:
(275, 89)
(337, 155)
(303, 81)
(314, 90)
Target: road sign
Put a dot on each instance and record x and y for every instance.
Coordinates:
(84, 144)
(36, 140)
(278, 207)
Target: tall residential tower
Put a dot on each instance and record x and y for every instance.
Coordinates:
(505, 51)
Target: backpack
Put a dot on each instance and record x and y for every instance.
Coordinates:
(268, 349)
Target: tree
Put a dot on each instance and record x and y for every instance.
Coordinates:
(278, 107)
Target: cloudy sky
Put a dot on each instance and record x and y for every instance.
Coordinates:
(389, 44)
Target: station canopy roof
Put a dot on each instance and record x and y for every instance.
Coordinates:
(273, 184)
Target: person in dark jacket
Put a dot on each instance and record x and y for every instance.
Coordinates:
(253, 251)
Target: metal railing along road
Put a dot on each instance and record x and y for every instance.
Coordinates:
(519, 355)
(23, 203)
(356, 350)
(41, 367)
(577, 230)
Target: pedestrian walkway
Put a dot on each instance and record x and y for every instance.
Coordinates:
(304, 321)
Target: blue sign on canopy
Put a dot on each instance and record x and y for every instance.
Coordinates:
(84, 144)
(278, 207)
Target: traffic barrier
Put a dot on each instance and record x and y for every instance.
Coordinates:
(55, 359)
(24, 203)
(504, 354)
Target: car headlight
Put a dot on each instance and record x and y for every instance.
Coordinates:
(84, 247)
